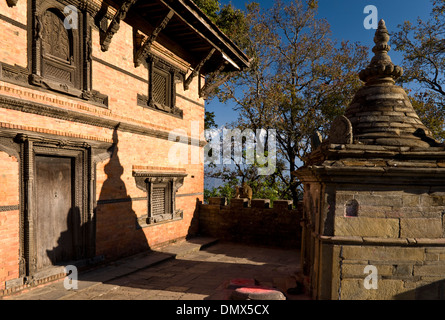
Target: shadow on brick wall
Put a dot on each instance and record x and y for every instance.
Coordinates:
(193, 229)
(116, 232)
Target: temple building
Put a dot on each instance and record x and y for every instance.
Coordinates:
(92, 96)
(374, 197)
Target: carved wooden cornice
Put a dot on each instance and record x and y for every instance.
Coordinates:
(161, 63)
(91, 7)
(115, 23)
(142, 177)
(159, 175)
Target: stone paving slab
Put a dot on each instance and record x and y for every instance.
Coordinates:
(196, 269)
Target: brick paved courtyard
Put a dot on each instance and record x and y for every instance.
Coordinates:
(192, 275)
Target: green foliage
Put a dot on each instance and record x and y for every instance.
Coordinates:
(233, 23)
(423, 46)
(261, 189)
(230, 20)
(431, 114)
(225, 190)
(209, 7)
(298, 82)
(209, 120)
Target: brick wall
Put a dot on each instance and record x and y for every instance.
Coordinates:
(119, 201)
(258, 224)
(9, 219)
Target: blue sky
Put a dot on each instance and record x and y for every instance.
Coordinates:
(346, 20)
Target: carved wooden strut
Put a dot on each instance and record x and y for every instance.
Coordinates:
(115, 23)
(143, 51)
(197, 69)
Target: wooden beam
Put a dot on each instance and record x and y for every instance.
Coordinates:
(143, 51)
(222, 38)
(115, 23)
(191, 26)
(197, 69)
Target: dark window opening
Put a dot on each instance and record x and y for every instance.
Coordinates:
(351, 208)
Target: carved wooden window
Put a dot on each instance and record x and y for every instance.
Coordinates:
(162, 78)
(61, 52)
(161, 191)
(161, 93)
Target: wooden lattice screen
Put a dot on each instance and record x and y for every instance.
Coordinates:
(160, 88)
(158, 201)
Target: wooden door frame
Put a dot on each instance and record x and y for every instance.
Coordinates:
(83, 196)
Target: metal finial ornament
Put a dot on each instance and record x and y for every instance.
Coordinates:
(381, 68)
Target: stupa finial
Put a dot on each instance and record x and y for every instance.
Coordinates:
(381, 68)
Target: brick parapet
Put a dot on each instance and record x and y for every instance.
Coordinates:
(259, 223)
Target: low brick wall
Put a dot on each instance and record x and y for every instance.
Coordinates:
(256, 223)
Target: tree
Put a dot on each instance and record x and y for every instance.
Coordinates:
(209, 120)
(230, 20)
(209, 7)
(299, 81)
(423, 46)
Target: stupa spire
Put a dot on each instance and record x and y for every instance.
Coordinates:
(381, 68)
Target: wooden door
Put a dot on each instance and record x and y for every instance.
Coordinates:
(54, 210)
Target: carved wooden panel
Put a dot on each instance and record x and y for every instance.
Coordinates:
(55, 38)
(57, 62)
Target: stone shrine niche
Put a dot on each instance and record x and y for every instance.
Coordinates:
(341, 131)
